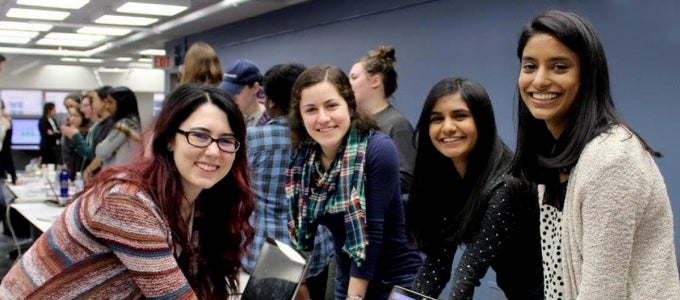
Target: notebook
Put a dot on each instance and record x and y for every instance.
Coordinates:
(278, 272)
(400, 293)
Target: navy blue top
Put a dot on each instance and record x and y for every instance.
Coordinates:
(389, 258)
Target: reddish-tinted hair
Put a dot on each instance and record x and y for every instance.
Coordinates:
(223, 210)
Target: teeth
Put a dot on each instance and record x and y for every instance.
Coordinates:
(544, 96)
(207, 167)
(450, 139)
(325, 129)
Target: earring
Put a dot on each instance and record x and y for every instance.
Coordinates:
(170, 148)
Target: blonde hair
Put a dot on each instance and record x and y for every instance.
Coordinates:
(202, 66)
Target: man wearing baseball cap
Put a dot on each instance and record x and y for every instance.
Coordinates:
(243, 81)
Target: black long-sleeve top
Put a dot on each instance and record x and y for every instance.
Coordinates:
(6, 161)
(508, 241)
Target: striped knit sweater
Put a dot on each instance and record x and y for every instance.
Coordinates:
(108, 244)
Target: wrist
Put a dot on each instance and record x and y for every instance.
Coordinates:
(355, 297)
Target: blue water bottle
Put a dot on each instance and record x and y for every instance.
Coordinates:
(63, 182)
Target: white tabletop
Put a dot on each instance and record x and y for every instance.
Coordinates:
(31, 200)
(40, 214)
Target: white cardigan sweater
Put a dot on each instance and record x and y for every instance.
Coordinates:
(617, 232)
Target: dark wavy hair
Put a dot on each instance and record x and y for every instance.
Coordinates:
(335, 76)
(539, 157)
(381, 61)
(278, 82)
(224, 209)
(438, 191)
(126, 103)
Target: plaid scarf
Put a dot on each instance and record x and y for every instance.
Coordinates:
(340, 189)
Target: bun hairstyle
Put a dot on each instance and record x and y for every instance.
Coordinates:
(381, 61)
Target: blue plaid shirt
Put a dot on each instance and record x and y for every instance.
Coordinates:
(269, 153)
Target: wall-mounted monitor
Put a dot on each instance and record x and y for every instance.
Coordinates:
(25, 133)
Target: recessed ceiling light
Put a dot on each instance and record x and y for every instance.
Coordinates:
(75, 36)
(145, 60)
(37, 14)
(152, 52)
(123, 58)
(103, 30)
(67, 43)
(91, 60)
(151, 9)
(18, 33)
(112, 70)
(69, 59)
(67, 4)
(139, 65)
(24, 26)
(14, 40)
(125, 20)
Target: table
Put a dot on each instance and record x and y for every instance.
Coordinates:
(39, 214)
(34, 200)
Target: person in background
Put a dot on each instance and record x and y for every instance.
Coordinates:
(185, 213)
(606, 219)
(49, 135)
(202, 66)
(345, 175)
(2, 62)
(73, 162)
(7, 169)
(118, 147)
(243, 81)
(102, 124)
(67, 147)
(374, 80)
(461, 195)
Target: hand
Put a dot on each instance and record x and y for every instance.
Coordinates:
(303, 292)
(68, 131)
(87, 175)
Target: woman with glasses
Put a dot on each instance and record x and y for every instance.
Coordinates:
(345, 175)
(173, 225)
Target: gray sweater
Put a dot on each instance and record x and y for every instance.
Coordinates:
(617, 231)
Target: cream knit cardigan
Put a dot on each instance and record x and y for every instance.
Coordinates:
(617, 232)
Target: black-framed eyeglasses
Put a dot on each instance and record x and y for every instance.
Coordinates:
(203, 140)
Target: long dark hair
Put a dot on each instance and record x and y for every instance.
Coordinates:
(224, 230)
(335, 76)
(539, 157)
(126, 103)
(438, 191)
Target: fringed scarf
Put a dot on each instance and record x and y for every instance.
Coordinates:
(340, 189)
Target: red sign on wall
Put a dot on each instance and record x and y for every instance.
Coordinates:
(161, 62)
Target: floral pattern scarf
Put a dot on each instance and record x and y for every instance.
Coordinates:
(340, 189)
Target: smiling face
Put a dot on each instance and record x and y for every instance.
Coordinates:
(549, 80)
(452, 130)
(201, 168)
(325, 115)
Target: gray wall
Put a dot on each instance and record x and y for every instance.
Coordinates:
(477, 39)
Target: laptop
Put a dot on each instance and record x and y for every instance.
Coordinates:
(400, 293)
(278, 272)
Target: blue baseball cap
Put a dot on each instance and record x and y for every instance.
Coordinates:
(240, 73)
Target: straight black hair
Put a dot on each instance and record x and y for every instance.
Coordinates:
(438, 191)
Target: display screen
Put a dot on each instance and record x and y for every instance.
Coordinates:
(25, 133)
